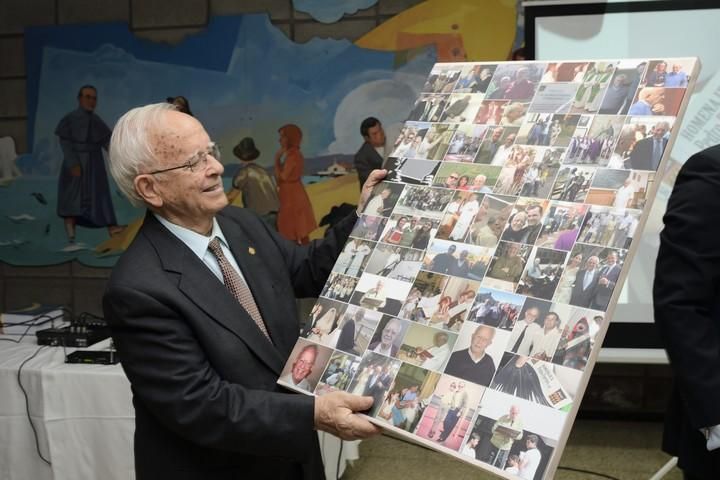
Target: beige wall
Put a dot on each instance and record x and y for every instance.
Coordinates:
(168, 21)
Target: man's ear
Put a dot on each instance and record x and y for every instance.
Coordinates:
(146, 187)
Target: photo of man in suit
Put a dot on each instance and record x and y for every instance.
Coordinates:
(609, 274)
(201, 307)
(646, 153)
(686, 314)
(372, 152)
(586, 280)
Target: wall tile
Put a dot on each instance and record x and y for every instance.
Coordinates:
(88, 11)
(12, 97)
(21, 292)
(12, 53)
(17, 130)
(344, 29)
(15, 15)
(278, 9)
(161, 13)
(170, 36)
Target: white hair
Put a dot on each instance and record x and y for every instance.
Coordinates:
(131, 146)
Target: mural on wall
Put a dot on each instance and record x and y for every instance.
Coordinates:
(241, 77)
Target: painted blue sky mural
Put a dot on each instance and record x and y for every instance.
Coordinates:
(243, 77)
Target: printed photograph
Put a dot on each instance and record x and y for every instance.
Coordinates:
(354, 257)
(466, 176)
(554, 98)
(323, 319)
(561, 225)
(591, 276)
(388, 336)
(632, 73)
(428, 107)
(466, 143)
(542, 273)
(409, 231)
(424, 296)
(306, 363)
(408, 396)
(592, 88)
(572, 183)
(453, 304)
(383, 199)
(595, 147)
(457, 259)
(565, 72)
(496, 308)
(427, 347)
(495, 210)
(475, 78)
(395, 262)
(339, 372)
(381, 294)
(448, 416)
(435, 144)
(526, 221)
(353, 330)
(409, 140)
(515, 82)
(610, 227)
(442, 78)
(461, 108)
(507, 266)
(495, 138)
(411, 171)
(578, 338)
(339, 287)
(423, 202)
(374, 378)
(529, 171)
(620, 188)
(642, 143)
(651, 101)
(369, 227)
(460, 215)
(478, 351)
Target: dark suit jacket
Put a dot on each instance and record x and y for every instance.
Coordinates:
(202, 375)
(366, 160)
(641, 155)
(687, 310)
(603, 293)
(582, 297)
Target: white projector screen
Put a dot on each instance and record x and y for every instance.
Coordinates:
(565, 30)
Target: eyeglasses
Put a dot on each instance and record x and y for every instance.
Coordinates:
(197, 160)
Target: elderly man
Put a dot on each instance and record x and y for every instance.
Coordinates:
(649, 102)
(586, 281)
(386, 343)
(647, 153)
(302, 367)
(505, 431)
(473, 363)
(202, 309)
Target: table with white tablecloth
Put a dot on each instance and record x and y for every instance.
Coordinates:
(84, 419)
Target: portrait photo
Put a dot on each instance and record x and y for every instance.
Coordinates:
(427, 347)
(305, 365)
(496, 308)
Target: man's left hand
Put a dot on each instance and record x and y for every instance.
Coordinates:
(375, 177)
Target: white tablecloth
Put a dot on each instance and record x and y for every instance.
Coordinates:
(84, 418)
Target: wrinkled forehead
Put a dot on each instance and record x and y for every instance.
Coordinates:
(178, 137)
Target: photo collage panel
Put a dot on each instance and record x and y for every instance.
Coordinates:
(470, 299)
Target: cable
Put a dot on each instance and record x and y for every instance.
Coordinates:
(337, 467)
(589, 472)
(27, 403)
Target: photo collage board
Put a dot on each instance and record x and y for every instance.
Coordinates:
(470, 300)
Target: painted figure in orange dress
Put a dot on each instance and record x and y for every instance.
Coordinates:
(295, 218)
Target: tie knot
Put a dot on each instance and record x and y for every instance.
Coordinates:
(214, 247)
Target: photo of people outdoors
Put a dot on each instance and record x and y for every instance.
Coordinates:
(466, 176)
(610, 227)
(595, 271)
(423, 202)
(409, 140)
(457, 259)
(408, 396)
(592, 89)
(466, 143)
(594, 146)
(460, 215)
(496, 308)
(410, 171)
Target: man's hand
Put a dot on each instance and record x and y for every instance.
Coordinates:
(334, 412)
(375, 177)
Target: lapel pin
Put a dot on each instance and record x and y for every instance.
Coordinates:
(251, 250)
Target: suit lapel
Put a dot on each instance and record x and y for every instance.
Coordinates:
(201, 286)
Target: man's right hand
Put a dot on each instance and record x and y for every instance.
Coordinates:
(335, 414)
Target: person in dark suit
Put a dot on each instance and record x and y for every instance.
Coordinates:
(586, 280)
(646, 153)
(686, 305)
(369, 158)
(609, 274)
(201, 307)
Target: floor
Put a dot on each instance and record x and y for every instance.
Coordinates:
(623, 450)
